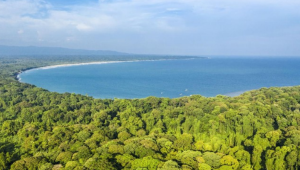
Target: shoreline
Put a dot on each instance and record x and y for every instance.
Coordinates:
(18, 77)
(236, 93)
(69, 65)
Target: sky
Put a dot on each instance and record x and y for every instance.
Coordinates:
(173, 27)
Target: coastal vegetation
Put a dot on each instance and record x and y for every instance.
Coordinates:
(259, 129)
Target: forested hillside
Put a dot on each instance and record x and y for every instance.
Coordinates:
(43, 130)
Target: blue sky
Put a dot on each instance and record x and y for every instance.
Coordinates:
(182, 27)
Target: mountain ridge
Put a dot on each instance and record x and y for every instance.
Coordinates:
(36, 50)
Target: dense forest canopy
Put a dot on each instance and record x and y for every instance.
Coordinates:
(45, 130)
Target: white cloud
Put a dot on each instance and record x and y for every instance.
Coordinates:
(83, 27)
(20, 31)
(147, 25)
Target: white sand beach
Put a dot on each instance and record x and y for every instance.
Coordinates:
(79, 64)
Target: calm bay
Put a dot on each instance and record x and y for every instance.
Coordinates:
(168, 78)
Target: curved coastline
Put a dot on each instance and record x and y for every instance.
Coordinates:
(65, 65)
(69, 65)
(18, 77)
(236, 93)
(78, 64)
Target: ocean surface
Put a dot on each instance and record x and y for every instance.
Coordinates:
(168, 78)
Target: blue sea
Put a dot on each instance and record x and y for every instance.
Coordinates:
(169, 78)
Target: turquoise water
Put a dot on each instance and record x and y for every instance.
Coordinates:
(168, 78)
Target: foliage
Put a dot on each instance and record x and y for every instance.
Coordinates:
(39, 129)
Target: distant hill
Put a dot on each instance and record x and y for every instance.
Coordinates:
(33, 50)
